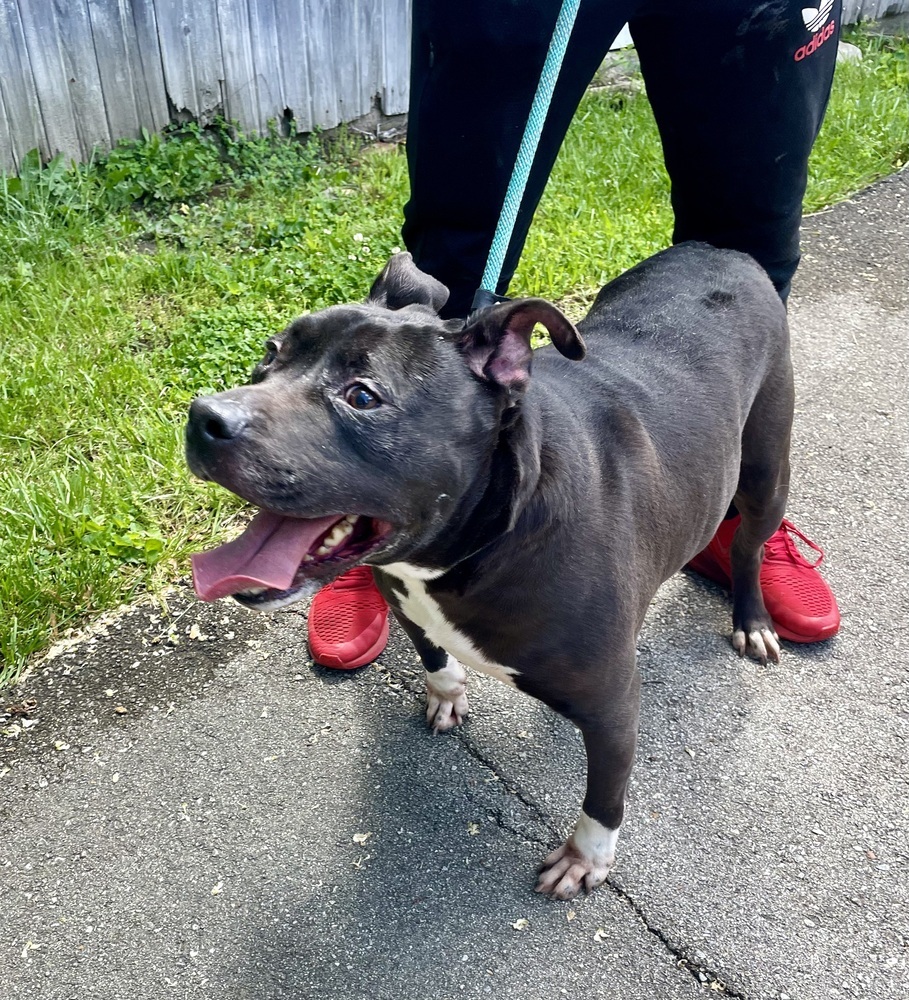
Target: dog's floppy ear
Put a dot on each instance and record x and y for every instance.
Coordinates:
(402, 283)
(496, 342)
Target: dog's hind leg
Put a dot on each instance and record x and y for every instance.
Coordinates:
(761, 500)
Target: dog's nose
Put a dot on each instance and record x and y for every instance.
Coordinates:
(217, 419)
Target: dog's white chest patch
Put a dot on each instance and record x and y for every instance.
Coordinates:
(423, 610)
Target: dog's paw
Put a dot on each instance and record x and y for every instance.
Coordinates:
(566, 871)
(442, 713)
(582, 862)
(446, 696)
(759, 642)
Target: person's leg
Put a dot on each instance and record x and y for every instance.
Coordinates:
(475, 69)
(739, 91)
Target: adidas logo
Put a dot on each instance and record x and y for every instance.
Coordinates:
(816, 42)
(814, 17)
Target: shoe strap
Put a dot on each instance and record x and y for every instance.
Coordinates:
(781, 543)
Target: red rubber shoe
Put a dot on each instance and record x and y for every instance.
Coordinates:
(797, 597)
(348, 621)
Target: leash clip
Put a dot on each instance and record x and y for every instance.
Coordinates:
(485, 299)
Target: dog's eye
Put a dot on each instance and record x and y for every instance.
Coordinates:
(361, 397)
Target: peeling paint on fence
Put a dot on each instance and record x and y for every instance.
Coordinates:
(77, 75)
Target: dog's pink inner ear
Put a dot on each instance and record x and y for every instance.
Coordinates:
(510, 362)
(496, 345)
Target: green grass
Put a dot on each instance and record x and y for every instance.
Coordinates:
(130, 285)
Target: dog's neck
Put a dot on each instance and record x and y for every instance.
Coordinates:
(512, 469)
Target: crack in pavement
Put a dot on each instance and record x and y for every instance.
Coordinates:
(407, 681)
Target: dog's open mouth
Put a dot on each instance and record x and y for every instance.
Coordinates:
(278, 557)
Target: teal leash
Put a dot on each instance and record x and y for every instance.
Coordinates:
(486, 294)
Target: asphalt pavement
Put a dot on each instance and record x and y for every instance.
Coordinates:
(193, 810)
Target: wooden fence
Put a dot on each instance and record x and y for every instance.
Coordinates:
(871, 10)
(77, 75)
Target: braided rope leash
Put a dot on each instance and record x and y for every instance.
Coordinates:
(555, 56)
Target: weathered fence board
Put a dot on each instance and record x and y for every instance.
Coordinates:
(296, 74)
(145, 59)
(45, 63)
(239, 87)
(77, 75)
(108, 36)
(23, 124)
(83, 79)
(267, 65)
(871, 10)
(394, 39)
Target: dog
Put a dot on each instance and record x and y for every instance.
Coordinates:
(517, 525)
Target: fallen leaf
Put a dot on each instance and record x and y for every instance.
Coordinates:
(521, 924)
(361, 838)
(61, 745)
(22, 708)
(571, 914)
(217, 889)
(473, 829)
(600, 934)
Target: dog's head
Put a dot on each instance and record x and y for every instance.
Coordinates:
(363, 429)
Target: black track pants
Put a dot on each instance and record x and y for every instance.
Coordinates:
(738, 89)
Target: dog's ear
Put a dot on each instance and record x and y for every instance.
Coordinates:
(496, 342)
(402, 283)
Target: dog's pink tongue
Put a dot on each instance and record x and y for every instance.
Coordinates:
(267, 554)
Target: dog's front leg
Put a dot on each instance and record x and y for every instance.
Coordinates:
(609, 728)
(446, 679)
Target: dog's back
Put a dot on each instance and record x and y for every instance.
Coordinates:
(678, 348)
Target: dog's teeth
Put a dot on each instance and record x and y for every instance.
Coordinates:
(340, 531)
(253, 591)
(338, 534)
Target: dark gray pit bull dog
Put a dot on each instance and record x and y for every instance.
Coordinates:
(518, 525)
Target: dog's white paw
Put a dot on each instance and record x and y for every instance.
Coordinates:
(761, 643)
(442, 714)
(582, 862)
(446, 696)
